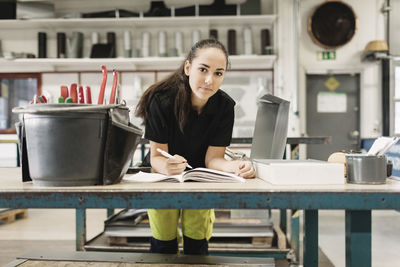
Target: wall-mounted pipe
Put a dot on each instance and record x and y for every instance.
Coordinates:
(297, 29)
(385, 64)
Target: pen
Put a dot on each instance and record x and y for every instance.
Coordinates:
(167, 155)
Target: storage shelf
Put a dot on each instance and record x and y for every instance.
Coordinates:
(55, 24)
(13, 27)
(122, 64)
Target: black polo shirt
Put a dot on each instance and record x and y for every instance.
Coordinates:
(212, 127)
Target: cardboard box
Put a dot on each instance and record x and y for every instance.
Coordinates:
(299, 172)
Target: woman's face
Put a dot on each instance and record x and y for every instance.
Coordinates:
(206, 73)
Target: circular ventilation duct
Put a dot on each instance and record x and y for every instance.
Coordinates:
(332, 24)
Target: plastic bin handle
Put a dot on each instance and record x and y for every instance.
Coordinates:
(46, 108)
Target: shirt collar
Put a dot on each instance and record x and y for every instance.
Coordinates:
(211, 106)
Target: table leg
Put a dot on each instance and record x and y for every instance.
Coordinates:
(295, 232)
(283, 221)
(310, 238)
(80, 221)
(110, 212)
(358, 238)
(18, 162)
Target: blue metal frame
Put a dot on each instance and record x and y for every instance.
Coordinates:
(201, 200)
(358, 205)
(358, 231)
(310, 238)
(80, 231)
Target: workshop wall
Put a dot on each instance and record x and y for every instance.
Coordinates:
(348, 60)
(289, 81)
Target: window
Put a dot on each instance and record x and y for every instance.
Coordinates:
(16, 90)
(396, 99)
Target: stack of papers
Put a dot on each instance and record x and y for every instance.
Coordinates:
(299, 172)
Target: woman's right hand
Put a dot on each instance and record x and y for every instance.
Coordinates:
(175, 165)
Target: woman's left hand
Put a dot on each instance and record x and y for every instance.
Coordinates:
(245, 169)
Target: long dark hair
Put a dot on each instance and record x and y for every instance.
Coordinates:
(178, 83)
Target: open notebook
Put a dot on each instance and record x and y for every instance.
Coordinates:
(195, 175)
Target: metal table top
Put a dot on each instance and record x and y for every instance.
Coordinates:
(289, 140)
(253, 194)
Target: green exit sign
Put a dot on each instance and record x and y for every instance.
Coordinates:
(326, 55)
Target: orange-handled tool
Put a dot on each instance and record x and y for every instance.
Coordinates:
(114, 87)
(88, 95)
(103, 85)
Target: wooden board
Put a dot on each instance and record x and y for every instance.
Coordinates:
(233, 242)
(282, 244)
(103, 259)
(35, 263)
(10, 215)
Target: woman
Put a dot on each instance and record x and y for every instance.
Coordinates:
(188, 116)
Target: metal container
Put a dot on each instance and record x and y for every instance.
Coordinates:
(366, 169)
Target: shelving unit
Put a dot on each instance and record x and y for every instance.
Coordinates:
(21, 36)
(56, 24)
(122, 64)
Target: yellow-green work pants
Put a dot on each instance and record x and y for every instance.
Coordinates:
(196, 224)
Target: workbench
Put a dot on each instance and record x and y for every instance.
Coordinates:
(357, 200)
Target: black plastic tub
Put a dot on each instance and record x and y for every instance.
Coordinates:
(75, 144)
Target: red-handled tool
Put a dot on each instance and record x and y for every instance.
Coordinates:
(114, 87)
(88, 95)
(63, 94)
(81, 95)
(64, 91)
(103, 85)
(74, 93)
(43, 99)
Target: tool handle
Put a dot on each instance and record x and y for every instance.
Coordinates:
(74, 93)
(103, 85)
(88, 95)
(43, 99)
(81, 95)
(64, 91)
(34, 99)
(114, 87)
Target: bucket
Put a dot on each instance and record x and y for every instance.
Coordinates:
(71, 144)
(366, 169)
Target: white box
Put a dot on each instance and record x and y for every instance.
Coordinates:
(299, 172)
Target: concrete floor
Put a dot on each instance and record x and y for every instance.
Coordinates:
(385, 237)
(55, 229)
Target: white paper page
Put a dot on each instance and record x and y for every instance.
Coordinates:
(146, 177)
(331, 102)
(381, 144)
(212, 175)
(388, 146)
